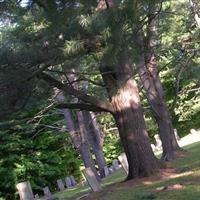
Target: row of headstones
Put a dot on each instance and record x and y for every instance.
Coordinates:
(25, 188)
(26, 193)
(113, 168)
(89, 175)
(69, 181)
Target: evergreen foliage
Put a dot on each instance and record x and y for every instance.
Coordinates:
(56, 36)
(39, 151)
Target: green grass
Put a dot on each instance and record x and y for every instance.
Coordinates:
(80, 190)
(189, 179)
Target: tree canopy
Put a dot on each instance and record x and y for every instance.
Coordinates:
(96, 53)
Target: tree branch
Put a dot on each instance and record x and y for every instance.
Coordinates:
(80, 106)
(101, 105)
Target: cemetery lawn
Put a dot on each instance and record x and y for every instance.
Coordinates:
(180, 181)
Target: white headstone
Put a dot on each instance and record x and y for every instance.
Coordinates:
(158, 141)
(193, 131)
(60, 185)
(123, 160)
(25, 191)
(153, 147)
(37, 197)
(91, 179)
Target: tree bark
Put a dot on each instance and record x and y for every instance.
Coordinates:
(95, 138)
(155, 96)
(128, 114)
(147, 69)
(85, 142)
(78, 138)
(88, 134)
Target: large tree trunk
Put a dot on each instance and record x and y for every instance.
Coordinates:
(95, 138)
(128, 115)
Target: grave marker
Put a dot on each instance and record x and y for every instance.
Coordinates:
(68, 182)
(60, 185)
(115, 165)
(47, 193)
(25, 191)
(91, 179)
(73, 181)
(158, 141)
(153, 147)
(111, 170)
(123, 160)
(37, 197)
(106, 171)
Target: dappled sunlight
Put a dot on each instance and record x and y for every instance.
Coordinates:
(189, 139)
(166, 184)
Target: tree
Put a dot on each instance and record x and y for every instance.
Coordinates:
(149, 75)
(119, 84)
(95, 138)
(35, 148)
(115, 67)
(79, 137)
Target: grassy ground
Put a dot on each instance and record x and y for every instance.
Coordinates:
(180, 184)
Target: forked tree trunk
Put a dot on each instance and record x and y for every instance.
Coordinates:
(85, 146)
(148, 72)
(95, 138)
(78, 139)
(155, 95)
(128, 115)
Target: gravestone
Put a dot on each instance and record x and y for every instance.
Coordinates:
(37, 197)
(111, 170)
(193, 131)
(91, 179)
(153, 147)
(123, 160)
(176, 135)
(25, 191)
(68, 182)
(158, 142)
(106, 171)
(115, 165)
(47, 193)
(60, 185)
(73, 181)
